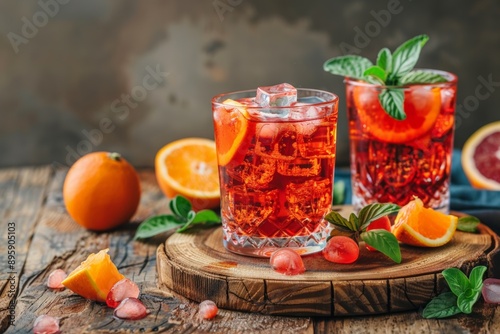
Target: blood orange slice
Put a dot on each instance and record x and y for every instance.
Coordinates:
(230, 129)
(481, 157)
(421, 104)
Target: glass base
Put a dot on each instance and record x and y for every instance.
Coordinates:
(442, 204)
(264, 247)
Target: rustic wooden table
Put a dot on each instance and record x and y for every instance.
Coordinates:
(32, 209)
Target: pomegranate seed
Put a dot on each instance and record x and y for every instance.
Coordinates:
(55, 279)
(287, 262)
(46, 324)
(491, 290)
(340, 249)
(122, 289)
(208, 310)
(131, 308)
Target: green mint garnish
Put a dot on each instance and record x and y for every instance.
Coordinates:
(348, 66)
(468, 224)
(464, 293)
(442, 306)
(355, 227)
(391, 71)
(182, 219)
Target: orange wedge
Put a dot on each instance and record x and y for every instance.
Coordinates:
(230, 129)
(419, 226)
(421, 106)
(94, 277)
(188, 167)
(481, 157)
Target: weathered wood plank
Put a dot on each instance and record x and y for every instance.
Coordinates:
(60, 243)
(22, 196)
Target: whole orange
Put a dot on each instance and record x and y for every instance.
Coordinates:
(101, 191)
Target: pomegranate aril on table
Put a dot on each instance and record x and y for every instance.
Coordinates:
(55, 279)
(131, 308)
(121, 290)
(287, 262)
(491, 290)
(207, 310)
(46, 324)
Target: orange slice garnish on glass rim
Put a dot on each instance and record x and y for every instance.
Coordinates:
(421, 104)
(419, 226)
(230, 129)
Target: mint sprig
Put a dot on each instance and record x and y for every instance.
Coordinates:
(391, 71)
(464, 293)
(468, 224)
(182, 219)
(355, 227)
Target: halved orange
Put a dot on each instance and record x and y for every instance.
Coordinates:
(421, 105)
(230, 129)
(188, 167)
(419, 226)
(481, 157)
(94, 277)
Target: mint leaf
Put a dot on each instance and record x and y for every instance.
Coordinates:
(203, 217)
(467, 299)
(354, 222)
(156, 225)
(336, 219)
(420, 77)
(339, 193)
(383, 241)
(476, 277)
(405, 57)
(348, 66)
(384, 60)
(457, 281)
(468, 224)
(376, 72)
(392, 100)
(180, 206)
(442, 306)
(375, 211)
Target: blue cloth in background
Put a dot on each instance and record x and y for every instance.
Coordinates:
(483, 204)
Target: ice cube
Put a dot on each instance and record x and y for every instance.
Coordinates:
(309, 199)
(310, 100)
(299, 167)
(276, 141)
(281, 95)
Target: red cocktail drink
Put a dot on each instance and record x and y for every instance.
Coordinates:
(393, 160)
(276, 167)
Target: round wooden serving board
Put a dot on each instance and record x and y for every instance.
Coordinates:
(197, 266)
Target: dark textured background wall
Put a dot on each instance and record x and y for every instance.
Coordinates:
(130, 76)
